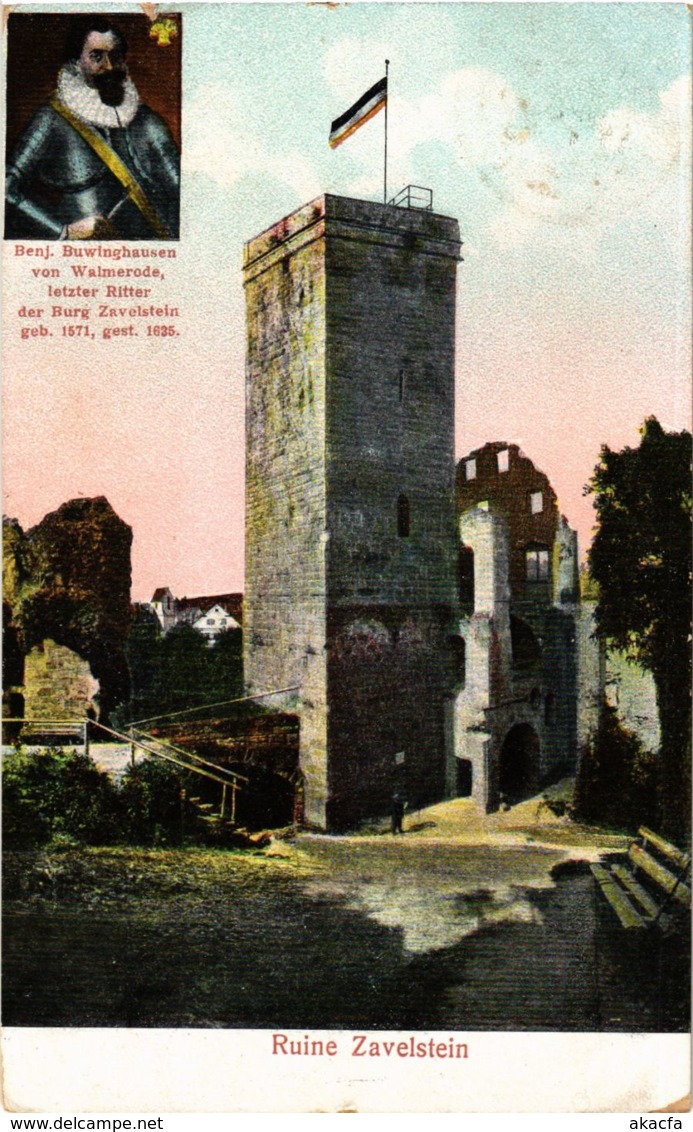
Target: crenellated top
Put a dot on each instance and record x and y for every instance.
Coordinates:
(410, 229)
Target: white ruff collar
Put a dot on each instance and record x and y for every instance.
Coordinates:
(85, 102)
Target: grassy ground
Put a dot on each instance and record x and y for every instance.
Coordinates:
(466, 922)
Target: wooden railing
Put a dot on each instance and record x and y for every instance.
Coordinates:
(186, 760)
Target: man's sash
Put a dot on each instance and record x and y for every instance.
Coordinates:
(113, 163)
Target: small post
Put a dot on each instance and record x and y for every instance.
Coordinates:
(131, 733)
(387, 98)
(223, 801)
(86, 736)
(233, 803)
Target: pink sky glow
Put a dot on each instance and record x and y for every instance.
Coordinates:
(158, 427)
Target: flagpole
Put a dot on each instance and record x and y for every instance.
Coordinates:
(387, 95)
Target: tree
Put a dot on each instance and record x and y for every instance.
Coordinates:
(641, 561)
(153, 803)
(143, 651)
(182, 676)
(617, 783)
(225, 657)
(68, 579)
(54, 793)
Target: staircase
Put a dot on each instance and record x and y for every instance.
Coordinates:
(230, 782)
(218, 824)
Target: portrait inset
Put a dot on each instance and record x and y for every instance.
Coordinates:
(93, 127)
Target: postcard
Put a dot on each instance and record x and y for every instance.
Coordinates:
(346, 561)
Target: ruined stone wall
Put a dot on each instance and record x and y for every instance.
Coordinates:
(591, 674)
(509, 494)
(479, 718)
(58, 684)
(607, 674)
(68, 580)
(557, 710)
(631, 690)
(521, 666)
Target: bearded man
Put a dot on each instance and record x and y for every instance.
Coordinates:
(94, 162)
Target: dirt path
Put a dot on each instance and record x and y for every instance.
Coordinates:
(465, 922)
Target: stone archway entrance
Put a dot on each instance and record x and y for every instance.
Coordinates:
(518, 776)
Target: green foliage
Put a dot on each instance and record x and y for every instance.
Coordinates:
(68, 579)
(153, 809)
(180, 670)
(60, 797)
(24, 822)
(56, 793)
(559, 798)
(641, 553)
(589, 590)
(16, 568)
(617, 779)
(641, 560)
(142, 650)
(183, 666)
(226, 663)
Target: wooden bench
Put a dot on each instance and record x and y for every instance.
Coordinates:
(53, 733)
(650, 887)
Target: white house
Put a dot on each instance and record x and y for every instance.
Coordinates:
(215, 621)
(210, 615)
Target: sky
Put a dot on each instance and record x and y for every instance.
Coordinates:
(557, 134)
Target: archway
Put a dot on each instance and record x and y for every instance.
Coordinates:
(519, 763)
(526, 648)
(464, 778)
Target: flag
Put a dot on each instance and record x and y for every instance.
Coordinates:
(362, 110)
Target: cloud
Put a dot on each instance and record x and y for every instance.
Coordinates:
(663, 137)
(572, 178)
(476, 112)
(351, 66)
(556, 172)
(219, 145)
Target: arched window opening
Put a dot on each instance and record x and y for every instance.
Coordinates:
(518, 772)
(465, 578)
(403, 517)
(526, 649)
(458, 651)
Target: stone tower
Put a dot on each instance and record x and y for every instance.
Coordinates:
(350, 522)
